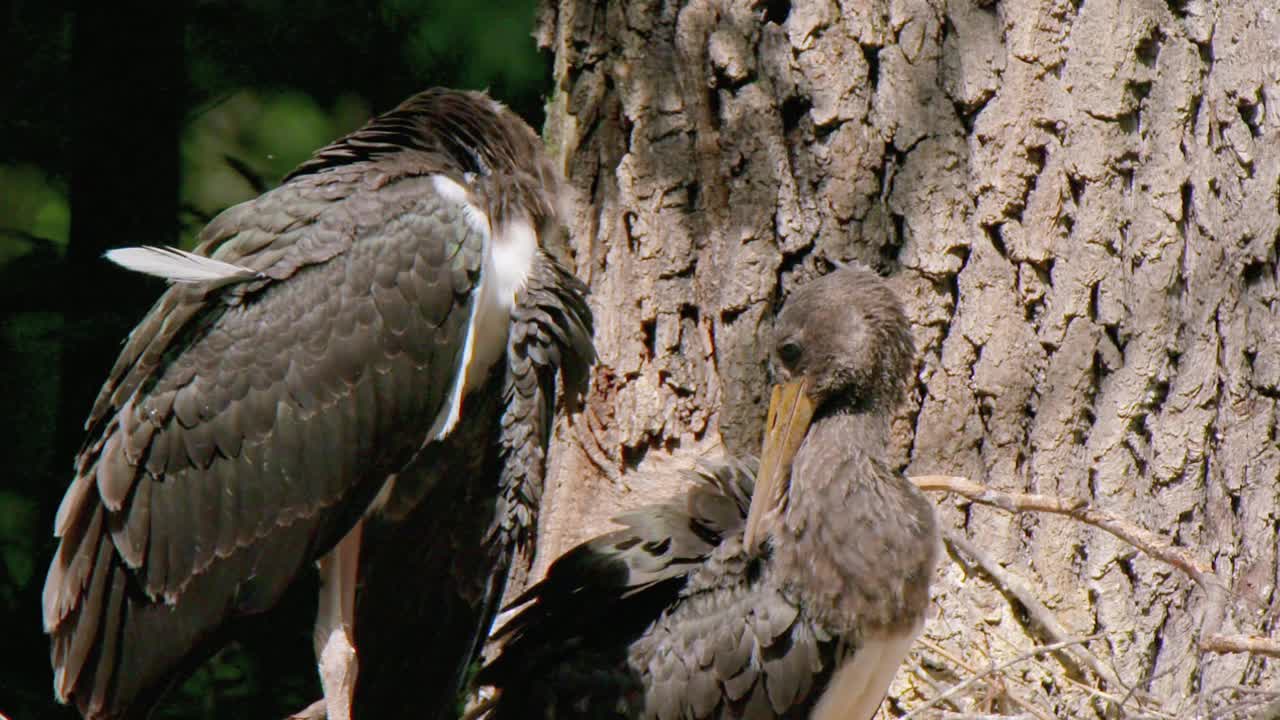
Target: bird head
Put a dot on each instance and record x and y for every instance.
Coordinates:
(841, 344)
(464, 134)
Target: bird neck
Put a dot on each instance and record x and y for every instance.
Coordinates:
(856, 537)
(842, 439)
(850, 424)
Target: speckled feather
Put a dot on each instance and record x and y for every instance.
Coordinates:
(653, 621)
(564, 654)
(436, 592)
(246, 425)
(551, 328)
(666, 618)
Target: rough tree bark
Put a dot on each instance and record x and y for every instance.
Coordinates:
(1077, 201)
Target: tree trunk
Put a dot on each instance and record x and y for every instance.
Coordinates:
(1076, 201)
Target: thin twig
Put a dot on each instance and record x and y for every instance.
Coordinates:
(1036, 610)
(969, 716)
(1152, 544)
(1244, 690)
(1241, 644)
(1254, 698)
(917, 668)
(1033, 652)
(1116, 700)
(1148, 542)
(1018, 700)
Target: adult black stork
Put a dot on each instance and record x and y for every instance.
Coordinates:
(801, 604)
(374, 342)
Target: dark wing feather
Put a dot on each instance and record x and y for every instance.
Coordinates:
(424, 570)
(734, 645)
(657, 543)
(550, 335)
(245, 426)
(435, 560)
(568, 644)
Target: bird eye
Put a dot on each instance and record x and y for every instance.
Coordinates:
(789, 353)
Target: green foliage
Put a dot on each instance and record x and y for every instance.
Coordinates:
(491, 43)
(18, 528)
(229, 683)
(268, 85)
(34, 209)
(249, 140)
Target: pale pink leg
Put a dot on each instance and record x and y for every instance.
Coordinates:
(335, 620)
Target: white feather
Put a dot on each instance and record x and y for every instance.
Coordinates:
(508, 257)
(452, 411)
(512, 257)
(859, 685)
(178, 266)
(450, 190)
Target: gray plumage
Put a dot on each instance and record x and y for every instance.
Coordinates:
(666, 619)
(433, 564)
(252, 417)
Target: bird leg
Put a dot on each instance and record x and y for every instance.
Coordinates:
(335, 648)
(314, 711)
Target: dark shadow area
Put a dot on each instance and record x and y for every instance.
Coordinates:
(135, 123)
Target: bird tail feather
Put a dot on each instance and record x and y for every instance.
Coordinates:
(178, 266)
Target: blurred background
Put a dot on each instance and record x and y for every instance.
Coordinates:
(135, 123)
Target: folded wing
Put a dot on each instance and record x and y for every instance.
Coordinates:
(250, 418)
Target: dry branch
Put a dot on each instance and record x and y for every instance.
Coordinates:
(960, 687)
(1017, 699)
(1040, 614)
(956, 716)
(1151, 543)
(1241, 644)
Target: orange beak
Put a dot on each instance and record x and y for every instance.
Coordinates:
(790, 412)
